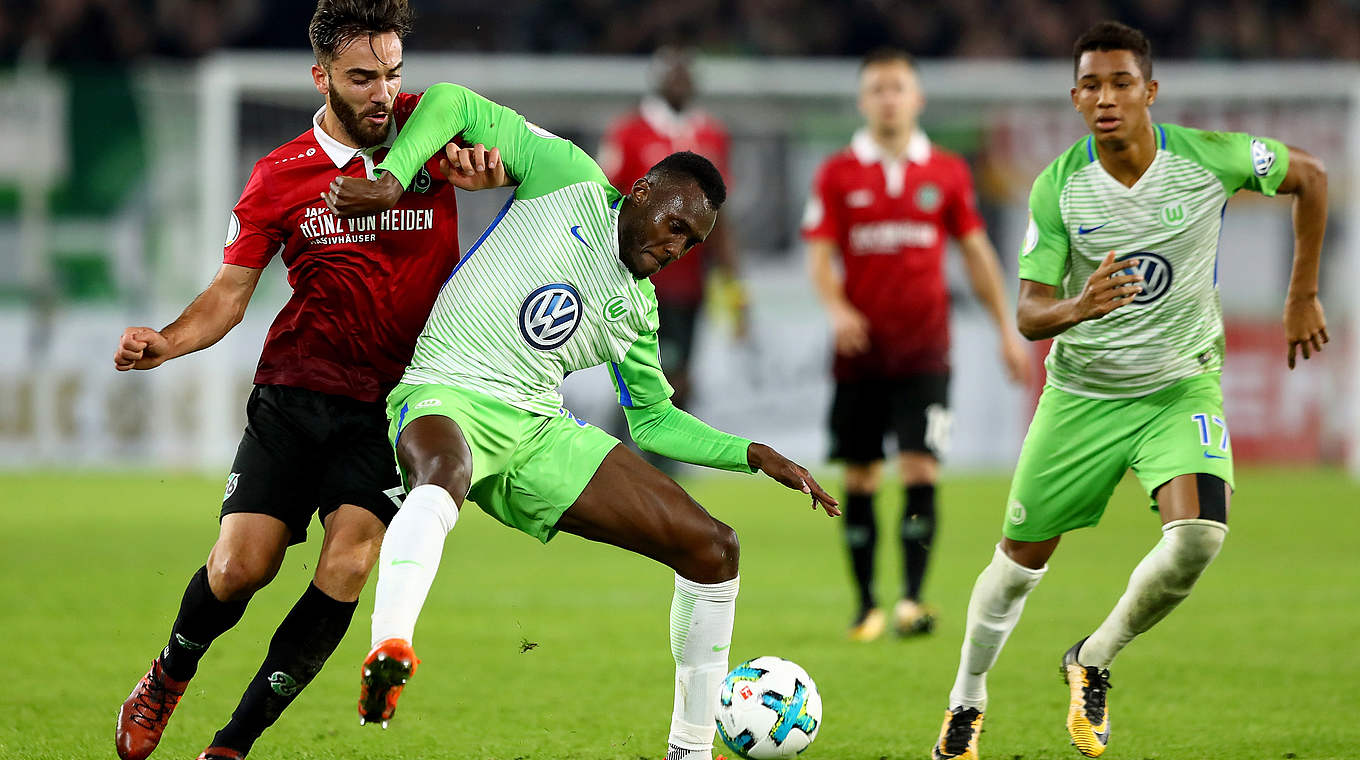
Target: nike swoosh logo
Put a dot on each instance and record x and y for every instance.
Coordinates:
(1086, 230)
(576, 233)
(396, 562)
(717, 648)
(1207, 455)
(1103, 736)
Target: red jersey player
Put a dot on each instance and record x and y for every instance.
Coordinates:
(666, 123)
(886, 204)
(316, 433)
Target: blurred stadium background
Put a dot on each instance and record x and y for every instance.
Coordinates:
(132, 124)
(132, 127)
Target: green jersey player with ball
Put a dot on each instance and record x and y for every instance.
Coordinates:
(557, 283)
(1120, 266)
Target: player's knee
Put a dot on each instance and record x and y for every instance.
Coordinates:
(714, 555)
(1192, 544)
(234, 576)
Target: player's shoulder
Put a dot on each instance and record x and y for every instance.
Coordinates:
(947, 161)
(629, 123)
(840, 162)
(302, 153)
(1078, 156)
(1197, 144)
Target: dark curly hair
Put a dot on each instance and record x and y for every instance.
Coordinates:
(696, 167)
(337, 23)
(1112, 35)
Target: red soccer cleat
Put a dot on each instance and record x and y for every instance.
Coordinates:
(386, 670)
(142, 718)
(220, 753)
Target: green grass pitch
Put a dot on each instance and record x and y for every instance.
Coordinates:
(1261, 662)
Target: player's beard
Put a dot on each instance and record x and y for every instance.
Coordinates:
(631, 244)
(362, 134)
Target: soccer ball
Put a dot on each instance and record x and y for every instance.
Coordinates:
(768, 708)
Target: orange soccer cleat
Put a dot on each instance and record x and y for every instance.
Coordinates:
(220, 753)
(386, 670)
(142, 718)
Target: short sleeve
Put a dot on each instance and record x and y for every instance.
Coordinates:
(822, 219)
(961, 215)
(1241, 161)
(540, 161)
(253, 233)
(1043, 254)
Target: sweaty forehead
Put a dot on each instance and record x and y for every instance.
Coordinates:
(1107, 63)
(378, 52)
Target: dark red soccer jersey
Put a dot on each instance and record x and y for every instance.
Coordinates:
(889, 219)
(634, 144)
(362, 288)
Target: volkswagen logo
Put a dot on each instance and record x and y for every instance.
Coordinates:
(550, 315)
(1156, 271)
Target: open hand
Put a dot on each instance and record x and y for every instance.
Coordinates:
(1017, 359)
(140, 348)
(1305, 327)
(772, 463)
(851, 330)
(1106, 289)
(474, 168)
(357, 196)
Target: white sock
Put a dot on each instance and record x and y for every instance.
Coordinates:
(1156, 586)
(409, 559)
(993, 610)
(701, 634)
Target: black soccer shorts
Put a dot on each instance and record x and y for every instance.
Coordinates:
(308, 452)
(915, 409)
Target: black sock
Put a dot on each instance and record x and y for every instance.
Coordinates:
(861, 535)
(918, 533)
(301, 645)
(201, 619)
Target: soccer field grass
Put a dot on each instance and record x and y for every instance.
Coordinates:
(1260, 662)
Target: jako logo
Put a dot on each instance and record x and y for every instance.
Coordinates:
(1156, 271)
(549, 316)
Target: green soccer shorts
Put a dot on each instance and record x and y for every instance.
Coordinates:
(1078, 449)
(527, 469)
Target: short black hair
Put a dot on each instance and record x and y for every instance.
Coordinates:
(1112, 35)
(696, 167)
(887, 55)
(337, 23)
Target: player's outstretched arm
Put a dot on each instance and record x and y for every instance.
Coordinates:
(1305, 325)
(1040, 314)
(204, 322)
(789, 473)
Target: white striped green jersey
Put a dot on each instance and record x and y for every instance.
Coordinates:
(542, 293)
(1170, 221)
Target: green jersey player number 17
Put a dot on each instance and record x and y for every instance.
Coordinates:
(1120, 266)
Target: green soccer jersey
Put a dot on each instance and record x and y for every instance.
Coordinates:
(1169, 220)
(542, 293)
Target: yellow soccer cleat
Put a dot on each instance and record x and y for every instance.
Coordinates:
(912, 619)
(870, 626)
(1088, 716)
(959, 735)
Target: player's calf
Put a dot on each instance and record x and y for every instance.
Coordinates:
(1160, 582)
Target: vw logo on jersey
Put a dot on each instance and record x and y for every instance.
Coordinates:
(550, 315)
(1156, 271)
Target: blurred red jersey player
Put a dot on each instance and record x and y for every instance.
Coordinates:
(664, 123)
(316, 431)
(885, 207)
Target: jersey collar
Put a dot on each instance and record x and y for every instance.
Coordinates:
(341, 154)
(870, 152)
(666, 120)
